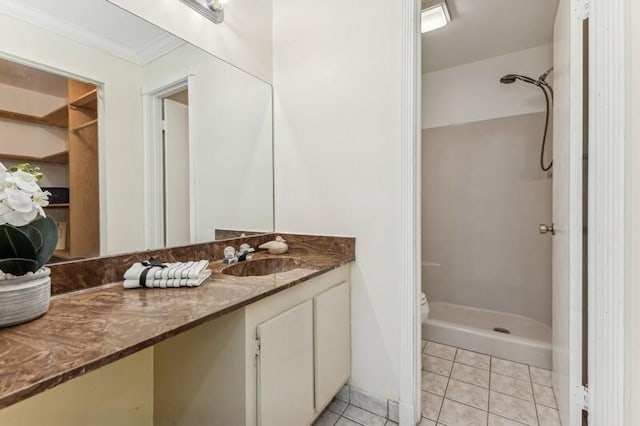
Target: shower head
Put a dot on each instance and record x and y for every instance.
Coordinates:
(511, 78)
(508, 79)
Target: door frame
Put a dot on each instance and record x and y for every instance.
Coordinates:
(409, 409)
(102, 132)
(152, 96)
(613, 213)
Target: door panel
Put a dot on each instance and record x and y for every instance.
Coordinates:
(567, 211)
(176, 172)
(285, 368)
(332, 330)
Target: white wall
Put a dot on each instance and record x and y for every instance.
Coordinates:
(337, 157)
(483, 196)
(19, 138)
(473, 92)
(231, 115)
(243, 40)
(121, 122)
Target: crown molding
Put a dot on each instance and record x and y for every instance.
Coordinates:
(37, 18)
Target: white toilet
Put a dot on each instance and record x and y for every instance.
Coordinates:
(424, 307)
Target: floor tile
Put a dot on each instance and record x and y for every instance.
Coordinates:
(436, 365)
(434, 383)
(544, 395)
(511, 386)
(510, 368)
(390, 423)
(465, 393)
(343, 395)
(337, 406)
(456, 414)
(473, 359)
(343, 421)
(431, 404)
(548, 416)
(426, 422)
(441, 351)
(541, 376)
(512, 408)
(495, 420)
(327, 418)
(472, 375)
(424, 343)
(363, 417)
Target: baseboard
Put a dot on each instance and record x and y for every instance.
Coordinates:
(388, 409)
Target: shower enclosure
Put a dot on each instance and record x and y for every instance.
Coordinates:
(487, 186)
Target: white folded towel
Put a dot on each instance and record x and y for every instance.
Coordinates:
(178, 274)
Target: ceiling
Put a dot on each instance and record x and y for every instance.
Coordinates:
(96, 23)
(482, 29)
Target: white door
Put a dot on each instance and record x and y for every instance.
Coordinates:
(567, 211)
(176, 173)
(285, 368)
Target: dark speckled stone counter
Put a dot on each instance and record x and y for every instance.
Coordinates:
(93, 321)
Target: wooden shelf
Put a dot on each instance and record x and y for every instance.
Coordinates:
(58, 117)
(53, 119)
(57, 206)
(88, 101)
(84, 125)
(58, 158)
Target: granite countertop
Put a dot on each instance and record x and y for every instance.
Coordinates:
(92, 327)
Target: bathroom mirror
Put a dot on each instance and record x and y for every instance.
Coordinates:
(144, 140)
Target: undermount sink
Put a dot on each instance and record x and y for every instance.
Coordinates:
(259, 267)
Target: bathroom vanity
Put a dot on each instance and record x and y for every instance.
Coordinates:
(269, 349)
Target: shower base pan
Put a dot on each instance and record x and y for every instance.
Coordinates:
(519, 338)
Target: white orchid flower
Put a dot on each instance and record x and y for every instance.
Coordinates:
(25, 181)
(21, 199)
(20, 219)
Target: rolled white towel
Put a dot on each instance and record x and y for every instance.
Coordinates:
(170, 283)
(178, 274)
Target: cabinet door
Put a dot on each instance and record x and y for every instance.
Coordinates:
(332, 330)
(285, 368)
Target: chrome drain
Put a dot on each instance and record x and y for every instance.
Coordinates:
(501, 330)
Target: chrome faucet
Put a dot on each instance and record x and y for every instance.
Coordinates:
(243, 253)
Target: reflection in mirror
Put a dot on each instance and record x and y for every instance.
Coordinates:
(143, 139)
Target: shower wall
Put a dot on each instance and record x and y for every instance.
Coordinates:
(483, 193)
(483, 197)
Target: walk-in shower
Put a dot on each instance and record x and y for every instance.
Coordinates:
(547, 90)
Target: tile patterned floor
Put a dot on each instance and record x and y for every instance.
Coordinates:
(463, 388)
(340, 413)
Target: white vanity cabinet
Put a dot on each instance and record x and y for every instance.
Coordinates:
(275, 362)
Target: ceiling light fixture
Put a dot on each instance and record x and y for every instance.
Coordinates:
(435, 16)
(210, 9)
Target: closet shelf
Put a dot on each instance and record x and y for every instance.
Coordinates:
(58, 157)
(84, 125)
(89, 100)
(56, 118)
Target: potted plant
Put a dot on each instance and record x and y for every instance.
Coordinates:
(27, 241)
